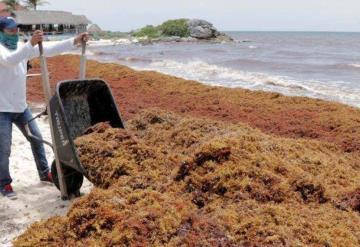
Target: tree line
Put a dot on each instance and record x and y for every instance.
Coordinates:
(12, 5)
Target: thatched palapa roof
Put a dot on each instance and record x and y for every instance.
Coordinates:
(50, 17)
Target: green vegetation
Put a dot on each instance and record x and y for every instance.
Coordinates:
(177, 27)
(149, 31)
(33, 4)
(12, 5)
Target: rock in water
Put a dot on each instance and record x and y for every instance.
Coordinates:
(202, 29)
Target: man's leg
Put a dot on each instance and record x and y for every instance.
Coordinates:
(37, 147)
(5, 147)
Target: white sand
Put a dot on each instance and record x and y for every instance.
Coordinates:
(36, 200)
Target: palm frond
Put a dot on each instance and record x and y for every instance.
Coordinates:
(34, 3)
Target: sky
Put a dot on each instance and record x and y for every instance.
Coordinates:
(226, 15)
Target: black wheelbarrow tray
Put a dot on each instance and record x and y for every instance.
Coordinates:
(76, 106)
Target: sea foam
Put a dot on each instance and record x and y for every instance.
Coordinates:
(227, 77)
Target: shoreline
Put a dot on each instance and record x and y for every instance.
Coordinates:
(194, 70)
(290, 68)
(273, 113)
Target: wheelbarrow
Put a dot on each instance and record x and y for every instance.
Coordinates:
(75, 106)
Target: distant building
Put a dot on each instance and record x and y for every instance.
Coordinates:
(51, 22)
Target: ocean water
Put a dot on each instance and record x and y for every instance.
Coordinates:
(314, 64)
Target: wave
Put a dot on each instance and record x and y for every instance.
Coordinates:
(354, 65)
(109, 42)
(247, 62)
(78, 52)
(135, 59)
(214, 74)
(227, 77)
(342, 66)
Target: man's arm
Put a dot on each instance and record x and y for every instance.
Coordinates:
(13, 58)
(54, 48)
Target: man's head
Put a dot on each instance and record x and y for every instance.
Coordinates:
(8, 25)
(9, 36)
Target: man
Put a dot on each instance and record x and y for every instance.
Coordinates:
(13, 106)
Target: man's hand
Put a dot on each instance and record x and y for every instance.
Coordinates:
(83, 37)
(37, 37)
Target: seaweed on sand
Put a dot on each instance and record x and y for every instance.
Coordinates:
(273, 113)
(179, 181)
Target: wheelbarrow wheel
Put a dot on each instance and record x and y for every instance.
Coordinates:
(73, 179)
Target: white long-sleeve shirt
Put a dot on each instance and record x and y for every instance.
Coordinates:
(13, 69)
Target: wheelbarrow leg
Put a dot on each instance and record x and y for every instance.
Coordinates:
(77, 193)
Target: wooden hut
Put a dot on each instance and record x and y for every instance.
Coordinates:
(51, 22)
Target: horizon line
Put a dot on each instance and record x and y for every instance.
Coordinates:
(293, 31)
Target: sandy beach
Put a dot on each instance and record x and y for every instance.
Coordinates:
(36, 200)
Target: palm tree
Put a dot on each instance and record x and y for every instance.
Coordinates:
(35, 3)
(11, 5)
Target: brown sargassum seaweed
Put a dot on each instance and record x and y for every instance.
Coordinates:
(179, 181)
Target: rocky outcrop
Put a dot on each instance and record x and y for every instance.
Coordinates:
(201, 29)
(181, 30)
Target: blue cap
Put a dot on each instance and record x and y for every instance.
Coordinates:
(8, 22)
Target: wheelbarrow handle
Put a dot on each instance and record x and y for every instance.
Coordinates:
(83, 60)
(83, 47)
(31, 136)
(44, 73)
(41, 48)
(47, 93)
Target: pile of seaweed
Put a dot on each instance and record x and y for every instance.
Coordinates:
(169, 180)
